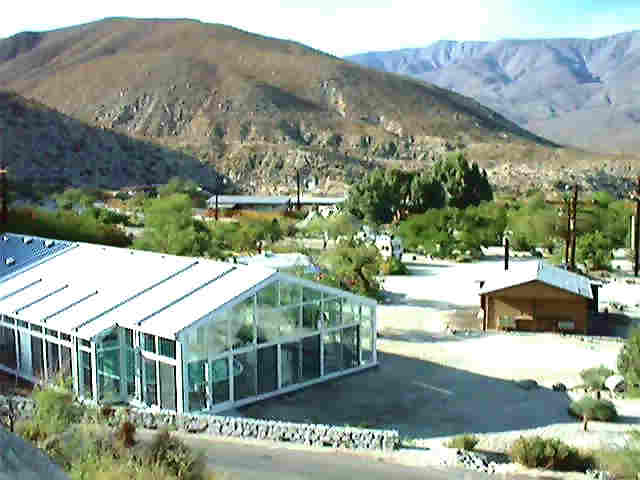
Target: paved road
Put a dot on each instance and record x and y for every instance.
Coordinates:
(238, 461)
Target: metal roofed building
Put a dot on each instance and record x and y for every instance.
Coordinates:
(19, 251)
(250, 202)
(537, 296)
(176, 333)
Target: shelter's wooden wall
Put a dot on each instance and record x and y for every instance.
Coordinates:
(537, 307)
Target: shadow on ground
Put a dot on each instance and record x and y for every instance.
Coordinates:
(420, 399)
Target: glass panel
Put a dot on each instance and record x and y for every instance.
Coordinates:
(311, 294)
(290, 322)
(242, 324)
(268, 296)
(108, 364)
(197, 385)
(8, 354)
(366, 341)
(37, 358)
(331, 312)
(267, 369)
(167, 386)
(51, 333)
(85, 343)
(350, 312)
(245, 384)
(332, 352)
(65, 362)
(220, 378)
(130, 370)
(269, 325)
(85, 369)
(53, 359)
(311, 317)
(36, 328)
(65, 337)
(24, 344)
(218, 334)
(290, 294)
(310, 358)
(291, 365)
(128, 337)
(350, 341)
(150, 390)
(148, 342)
(23, 324)
(167, 347)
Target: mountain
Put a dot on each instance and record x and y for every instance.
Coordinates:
(573, 91)
(258, 108)
(43, 146)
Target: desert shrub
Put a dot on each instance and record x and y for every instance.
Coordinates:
(172, 454)
(601, 410)
(55, 410)
(621, 462)
(393, 266)
(30, 431)
(550, 454)
(595, 377)
(629, 360)
(465, 442)
(126, 433)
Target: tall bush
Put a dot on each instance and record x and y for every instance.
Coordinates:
(629, 361)
(550, 454)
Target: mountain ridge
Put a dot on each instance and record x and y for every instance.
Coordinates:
(533, 82)
(257, 108)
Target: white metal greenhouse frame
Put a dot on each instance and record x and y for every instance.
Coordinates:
(177, 333)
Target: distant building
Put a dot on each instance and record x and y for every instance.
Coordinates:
(538, 297)
(250, 202)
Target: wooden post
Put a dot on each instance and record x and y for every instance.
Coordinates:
(568, 239)
(506, 253)
(4, 186)
(216, 205)
(636, 242)
(574, 214)
(298, 185)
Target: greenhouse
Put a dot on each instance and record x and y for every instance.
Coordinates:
(174, 333)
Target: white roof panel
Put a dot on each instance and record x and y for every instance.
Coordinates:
(25, 299)
(173, 290)
(182, 314)
(542, 272)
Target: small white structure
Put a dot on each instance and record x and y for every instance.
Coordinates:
(389, 246)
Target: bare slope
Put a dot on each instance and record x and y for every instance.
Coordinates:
(257, 107)
(573, 91)
(42, 145)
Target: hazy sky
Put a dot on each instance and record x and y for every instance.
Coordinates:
(344, 27)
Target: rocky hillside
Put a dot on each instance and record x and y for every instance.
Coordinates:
(257, 108)
(42, 146)
(573, 91)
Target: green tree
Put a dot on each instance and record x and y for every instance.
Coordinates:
(170, 228)
(381, 194)
(595, 250)
(178, 185)
(464, 184)
(629, 361)
(355, 268)
(76, 198)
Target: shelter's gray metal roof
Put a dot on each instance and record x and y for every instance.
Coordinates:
(249, 200)
(544, 273)
(17, 252)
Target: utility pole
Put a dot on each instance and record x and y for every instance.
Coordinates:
(4, 186)
(298, 183)
(506, 253)
(574, 234)
(636, 238)
(217, 203)
(568, 239)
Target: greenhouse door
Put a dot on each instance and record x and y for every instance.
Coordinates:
(25, 354)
